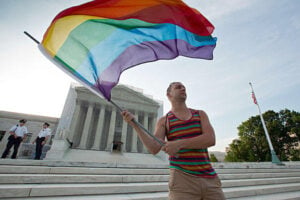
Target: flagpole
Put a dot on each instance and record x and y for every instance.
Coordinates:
(31, 37)
(273, 154)
(140, 125)
(95, 92)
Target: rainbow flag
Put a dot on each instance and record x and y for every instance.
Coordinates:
(98, 40)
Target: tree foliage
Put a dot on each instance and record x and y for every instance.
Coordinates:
(213, 158)
(252, 145)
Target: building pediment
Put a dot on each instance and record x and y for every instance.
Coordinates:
(124, 93)
(120, 95)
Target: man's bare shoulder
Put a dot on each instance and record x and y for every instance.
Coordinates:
(162, 120)
(201, 112)
(203, 115)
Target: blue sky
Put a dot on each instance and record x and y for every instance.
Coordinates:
(258, 42)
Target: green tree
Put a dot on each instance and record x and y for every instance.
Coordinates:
(213, 158)
(252, 145)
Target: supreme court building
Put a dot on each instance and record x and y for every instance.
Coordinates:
(91, 128)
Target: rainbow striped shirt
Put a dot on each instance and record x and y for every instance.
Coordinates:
(192, 161)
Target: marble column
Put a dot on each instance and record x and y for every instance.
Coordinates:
(72, 132)
(86, 127)
(134, 136)
(99, 130)
(111, 131)
(154, 123)
(146, 125)
(124, 135)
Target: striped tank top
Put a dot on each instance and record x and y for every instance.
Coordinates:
(192, 161)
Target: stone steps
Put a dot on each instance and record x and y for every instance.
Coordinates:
(162, 196)
(63, 178)
(276, 196)
(39, 190)
(140, 196)
(250, 191)
(102, 190)
(20, 180)
(248, 175)
(27, 169)
(79, 170)
(248, 179)
(254, 182)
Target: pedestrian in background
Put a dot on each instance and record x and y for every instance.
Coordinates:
(18, 133)
(41, 140)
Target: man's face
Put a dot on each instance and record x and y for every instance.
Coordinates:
(177, 92)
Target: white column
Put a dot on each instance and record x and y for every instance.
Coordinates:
(111, 131)
(124, 135)
(154, 123)
(86, 127)
(72, 132)
(134, 136)
(99, 130)
(146, 117)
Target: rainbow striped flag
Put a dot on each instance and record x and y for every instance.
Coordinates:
(98, 40)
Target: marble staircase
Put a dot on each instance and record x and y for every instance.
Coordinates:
(31, 179)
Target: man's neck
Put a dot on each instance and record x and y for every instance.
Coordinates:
(180, 110)
(179, 106)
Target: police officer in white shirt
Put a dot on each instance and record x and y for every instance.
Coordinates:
(18, 133)
(41, 140)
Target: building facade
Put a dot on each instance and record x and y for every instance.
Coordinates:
(91, 127)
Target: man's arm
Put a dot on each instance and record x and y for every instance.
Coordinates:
(12, 130)
(46, 139)
(205, 140)
(152, 145)
(12, 133)
(47, 136)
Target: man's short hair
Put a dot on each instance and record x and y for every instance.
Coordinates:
(46, 124)
(170, 86)
(23, 121)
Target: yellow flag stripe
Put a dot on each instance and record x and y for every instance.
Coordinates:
(55, 37)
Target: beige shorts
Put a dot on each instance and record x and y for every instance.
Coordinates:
(184, 186)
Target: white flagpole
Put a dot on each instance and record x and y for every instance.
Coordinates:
(273, 154)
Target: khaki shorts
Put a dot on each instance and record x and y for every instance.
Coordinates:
(184, 186)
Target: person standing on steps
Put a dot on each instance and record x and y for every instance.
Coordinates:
(41, 140)
(188, 133)
(18, 133)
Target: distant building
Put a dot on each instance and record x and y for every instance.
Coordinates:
(89, 124)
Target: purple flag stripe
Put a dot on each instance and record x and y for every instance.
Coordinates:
(147, 52)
